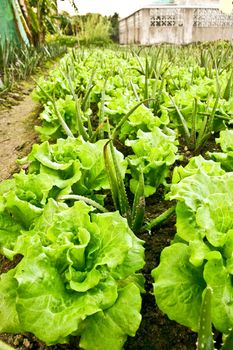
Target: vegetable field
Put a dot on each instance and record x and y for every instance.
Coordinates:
(117, 232)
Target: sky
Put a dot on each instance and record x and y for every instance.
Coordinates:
(105, 7)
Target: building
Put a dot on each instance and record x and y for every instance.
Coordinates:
(176, 22)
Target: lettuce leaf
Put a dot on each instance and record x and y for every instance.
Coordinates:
(122, 318)
(179, 285)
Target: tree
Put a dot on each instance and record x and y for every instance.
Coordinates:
(94, 29)
(114, 27)
(43, 16)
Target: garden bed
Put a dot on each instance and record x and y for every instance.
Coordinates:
(85, 108)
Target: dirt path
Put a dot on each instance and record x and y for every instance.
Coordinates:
(17, 132)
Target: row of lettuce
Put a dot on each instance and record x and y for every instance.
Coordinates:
(110, 125)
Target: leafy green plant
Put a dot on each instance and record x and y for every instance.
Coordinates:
(73, 166)
(154, 154)
(226, 157)
(79, 269)
(24, 196)
(201, 254)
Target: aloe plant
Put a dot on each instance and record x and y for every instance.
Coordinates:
(134, 214)
(205, 335)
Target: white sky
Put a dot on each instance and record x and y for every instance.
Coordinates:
(105, 7)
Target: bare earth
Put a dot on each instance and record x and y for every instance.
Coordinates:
(16, 132)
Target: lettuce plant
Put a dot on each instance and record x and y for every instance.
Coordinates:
(51, 128)
(141, 119)
(58, 161)
(73, 165)
(201, 254)
(77, 277)
(226, 156)
(24, 197)
(154, 153)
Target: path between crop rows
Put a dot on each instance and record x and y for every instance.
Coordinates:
(17, 133)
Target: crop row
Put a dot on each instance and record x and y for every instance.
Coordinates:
(113, 128)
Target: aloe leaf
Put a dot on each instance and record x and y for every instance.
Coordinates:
(134, 90)
(80, 126)
(228, 90)
(84, 199)
(111, 176)
(117, 186)
(156, 105)
(182, 119)
(123, 199)
(146, 79)
(140, 63)
(194, 123)
(86, 97)
(160, 219)
(205, 336)
(138, 210)
(202, 134)
(207, 125)
(102, 110)
(62, 121)
(81, 129)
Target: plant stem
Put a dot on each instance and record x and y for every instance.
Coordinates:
(160, 219)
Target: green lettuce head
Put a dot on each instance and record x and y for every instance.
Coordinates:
(77, 277)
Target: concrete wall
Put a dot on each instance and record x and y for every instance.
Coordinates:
(211, 34)
(176, 24)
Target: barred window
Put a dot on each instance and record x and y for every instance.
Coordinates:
(170, 17)
(211, 18)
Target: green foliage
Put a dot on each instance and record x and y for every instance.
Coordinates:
(114, 30)
(41, 15)
(94, 30)
(24, 196)
(226, 157)
(73, 166)
(154, 153)
(201, 254)
(19, 62)
(79, 269)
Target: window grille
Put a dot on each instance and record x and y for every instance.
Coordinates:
(211, 18)
(170, 17)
